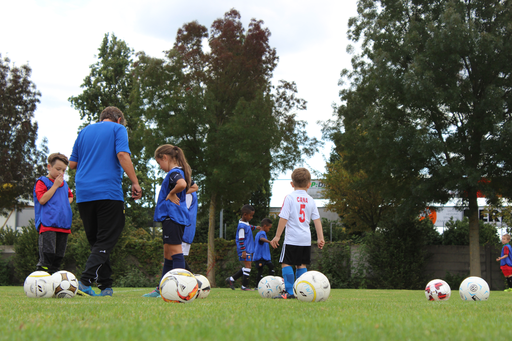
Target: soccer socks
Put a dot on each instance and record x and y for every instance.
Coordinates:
(509, 282)
(289, 279)
(301, 272)
(167, 267)
(179, 261)
(237, 275)
(245, 279)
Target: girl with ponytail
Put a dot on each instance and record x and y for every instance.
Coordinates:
(171, 207)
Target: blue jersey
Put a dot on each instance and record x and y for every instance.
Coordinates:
(508, 260)
(166, 208)
(261, 248)
(56, 212)
(244, 238)
(99, 172)
(190, 229)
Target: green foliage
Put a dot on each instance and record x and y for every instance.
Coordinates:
(456, 232)
(454, 280)
(27, 251)
(396, 255)
(5, 273)
(135, 278)
(8, 235)
(22, 162)
(335, 263)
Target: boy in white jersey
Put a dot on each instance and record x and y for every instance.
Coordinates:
(298, 210)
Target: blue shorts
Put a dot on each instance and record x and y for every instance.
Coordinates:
(172, 233)
(247, 259)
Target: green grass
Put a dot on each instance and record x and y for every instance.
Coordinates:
(238, 315)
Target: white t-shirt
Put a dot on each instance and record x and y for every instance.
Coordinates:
(299, 209)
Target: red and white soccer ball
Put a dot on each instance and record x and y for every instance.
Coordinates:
(65, 284)
(203, 286)
(437, 290)
(313, 286)
(38, 284)
(179, 285)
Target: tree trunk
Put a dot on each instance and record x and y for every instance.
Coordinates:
(474, 237)
(210, 272)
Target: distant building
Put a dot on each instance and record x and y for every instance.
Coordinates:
(17, 217)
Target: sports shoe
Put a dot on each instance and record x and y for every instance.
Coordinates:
(246, 289)
(286, 296)
(230, 283)
(84, 290)
(107, 292)
(154, 293)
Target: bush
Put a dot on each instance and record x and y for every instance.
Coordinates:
(8, 235)
(27, 252)
(457, 233)
(5, 273)
(397, 256)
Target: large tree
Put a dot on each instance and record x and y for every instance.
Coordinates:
(427, 111)
(22, 163)
(221, 108)
(110, 83)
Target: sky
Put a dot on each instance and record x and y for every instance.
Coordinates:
(59, 40)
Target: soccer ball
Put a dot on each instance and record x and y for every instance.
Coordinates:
(270, 287)
(38, 284)
(474, 289)
(179, 285)
(282, 285)
(312, 286)
(437, 290)
(65, 284)
(203, 286)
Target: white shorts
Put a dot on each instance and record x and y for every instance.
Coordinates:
(186, 248)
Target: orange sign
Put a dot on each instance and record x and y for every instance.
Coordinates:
(430, 213)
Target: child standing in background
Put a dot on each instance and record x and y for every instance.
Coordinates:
(171, 207)
(506, 260)
(244, 248)
(262, 250)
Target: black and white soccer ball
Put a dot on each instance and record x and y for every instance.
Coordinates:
(65, 284)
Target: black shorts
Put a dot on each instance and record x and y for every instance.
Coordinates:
(295, 255)
(172, 233)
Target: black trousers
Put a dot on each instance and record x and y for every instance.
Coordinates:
(103, 223)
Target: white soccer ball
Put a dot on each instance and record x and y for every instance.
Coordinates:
(65, 284)
(282, 285)
(38, 284)
(437, 290)
(313, 286)
(270, 287)
(474, 289)
(203, 286)
(179, 285)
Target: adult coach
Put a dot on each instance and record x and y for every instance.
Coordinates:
(100, 154)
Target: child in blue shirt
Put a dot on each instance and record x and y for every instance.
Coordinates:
(262, 250)
(244, 248)
(171, 207)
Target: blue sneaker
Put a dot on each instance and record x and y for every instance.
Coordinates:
(84, 290)
(154, 293)
(107, 292)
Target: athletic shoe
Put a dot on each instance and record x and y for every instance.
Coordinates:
(84, 290)
(286, 296)
(154, 293)
(107, 292)
(230, 283)
(246, 289)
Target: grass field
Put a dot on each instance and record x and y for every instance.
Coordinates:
(237, 315)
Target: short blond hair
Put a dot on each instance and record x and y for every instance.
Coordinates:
(507, 236)
(301, 177)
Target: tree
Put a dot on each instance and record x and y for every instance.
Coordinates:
(220, 107)
(22, 163)
(353, 198)
(110, 83)
(429, 102)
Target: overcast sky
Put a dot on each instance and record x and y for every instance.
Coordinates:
(59, 39)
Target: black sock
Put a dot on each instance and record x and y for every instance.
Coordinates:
(509, 282)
